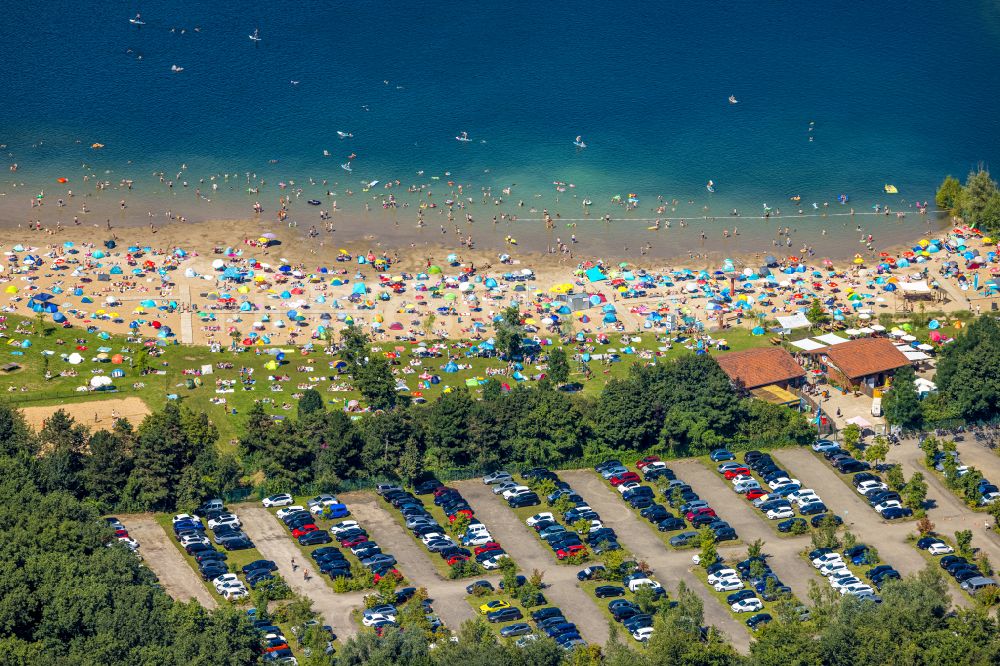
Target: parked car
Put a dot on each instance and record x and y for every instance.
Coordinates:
(283, 499)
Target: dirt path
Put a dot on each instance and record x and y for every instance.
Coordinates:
(93, 414)
(562, 589)
(175, 574)
(274, 543)
(669, 566)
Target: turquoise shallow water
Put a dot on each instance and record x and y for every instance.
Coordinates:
(898, 94)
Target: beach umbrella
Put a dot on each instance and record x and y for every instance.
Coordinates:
(434, 270)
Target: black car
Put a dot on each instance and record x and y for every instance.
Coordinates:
(239, 543)
(527, 499)
(725, 534)
(655, 513)
(479, 584)
(504, 615)
(702, 519)
(813, 508)
(519, 581)
(543, 614)
(670, 524)
(315, 538)
(758, 620)
(260, 564)
(213, 572)
(948, 560)
(405, 594)
(605, 591)
(640, 502)
(861, 477)
(601, 534)
(850, 466)
(426, 486)
(789, 525)
(818, 519)
(740, 596)
(606, 546)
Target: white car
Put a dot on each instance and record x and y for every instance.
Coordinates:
(843, 581)
(507, 485)
(317, 509)
(989, 498)
(130, 543)
(865, 486)
(186, 516)
(288, 510)
(835, 570)
(595, 524)
(224, 519)
(801, 492)
(781, 481)
(634, 585)
(940, 548)
(780, 513)
(233, 593)
(284, 499)
(493, 563)
(343, 526)
(642, 635)
(375, 618)
(434, 536)
(746, 486)
(654, 466)
(751, 605)
(857, 589)
(824, 445)
(516, 490)
(807, 499)
(721, 574)
(888, 504)
(728, 585)
(741, 478)
(826, 559)
(478, 539)
(540, 518)
(625, 487)
(188, 540)
(219, 581)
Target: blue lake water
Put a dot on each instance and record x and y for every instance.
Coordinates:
(898, 93)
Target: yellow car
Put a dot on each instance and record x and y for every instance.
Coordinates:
(491, 606)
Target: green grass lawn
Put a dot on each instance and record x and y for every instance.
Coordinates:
(48, 344)
(235, 562)
(476, 601)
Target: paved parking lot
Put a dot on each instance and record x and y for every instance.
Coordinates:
(159, 554)
(448, 596)
(562, 587)
(750, 524)
(669, 566)
(275, 543)
(949, 514)
(888, 537)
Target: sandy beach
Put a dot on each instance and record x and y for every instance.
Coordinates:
(217, 282)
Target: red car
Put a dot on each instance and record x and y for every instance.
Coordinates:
(645, 461)
(732, 473)
(353, 541)
(754, 494)
(577, 549)
(121, 534)
(486, 547)
(305, 529)
(455, 559)
(707, 511)
(626, 477)
(275, 648)
(461, 512)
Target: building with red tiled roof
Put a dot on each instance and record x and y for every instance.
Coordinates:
(762, 366)
(862, 365)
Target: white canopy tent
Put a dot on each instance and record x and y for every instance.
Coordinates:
(831, 339)
(808, 345)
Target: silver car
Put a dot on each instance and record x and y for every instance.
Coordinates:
(497, 477)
